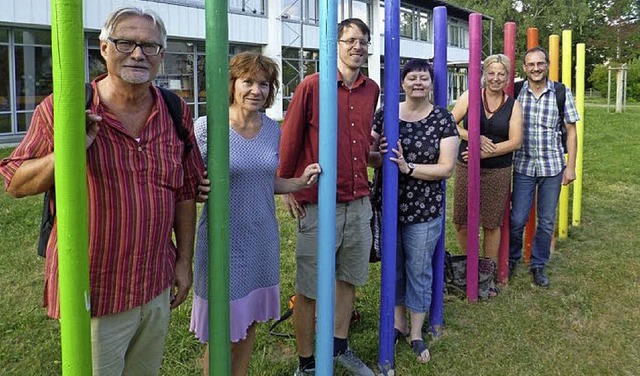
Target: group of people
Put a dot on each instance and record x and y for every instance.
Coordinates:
(144, 180)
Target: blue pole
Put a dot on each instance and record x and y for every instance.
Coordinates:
(327, 186)
(389, 182)
(436, 313)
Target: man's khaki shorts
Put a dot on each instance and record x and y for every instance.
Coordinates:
(353, 245)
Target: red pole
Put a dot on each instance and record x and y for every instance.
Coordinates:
(503, 253)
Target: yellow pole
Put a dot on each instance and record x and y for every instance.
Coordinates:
(577, 185)
(554, 57)
(563, 207)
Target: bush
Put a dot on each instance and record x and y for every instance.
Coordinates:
(600, 74)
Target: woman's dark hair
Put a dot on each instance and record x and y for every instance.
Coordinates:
(416, 65)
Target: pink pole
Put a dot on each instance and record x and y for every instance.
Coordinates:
(473, 212)
(503, 253)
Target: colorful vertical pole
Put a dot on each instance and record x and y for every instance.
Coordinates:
(503, 252)
(530, 228)
(440, 83)
(554, 57)
(389, 183)
(563, 206)
(473, 207)
(217, 69)
(577, 185)
(327, 186)
(67, 37)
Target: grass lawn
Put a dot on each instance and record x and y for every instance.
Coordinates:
(587, 323)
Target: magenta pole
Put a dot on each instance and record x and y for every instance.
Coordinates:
(389, 184)
(473, 211)
(440, 82)
(503, 252)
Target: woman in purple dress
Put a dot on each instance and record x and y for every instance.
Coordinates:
(254, 141)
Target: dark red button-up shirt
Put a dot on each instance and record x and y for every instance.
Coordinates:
(301, 127)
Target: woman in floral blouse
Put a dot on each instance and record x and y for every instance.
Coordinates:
(425, 154)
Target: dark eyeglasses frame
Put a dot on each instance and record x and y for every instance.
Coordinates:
(143, 46)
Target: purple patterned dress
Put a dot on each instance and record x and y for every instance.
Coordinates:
(254, 239)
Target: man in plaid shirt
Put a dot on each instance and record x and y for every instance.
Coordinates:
(540, 162)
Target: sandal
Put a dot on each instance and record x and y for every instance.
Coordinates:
(398, 335)
(419, 347)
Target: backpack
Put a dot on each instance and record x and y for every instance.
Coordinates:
(560, 99)
(174, 105)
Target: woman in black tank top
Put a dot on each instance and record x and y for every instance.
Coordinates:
(500, 135)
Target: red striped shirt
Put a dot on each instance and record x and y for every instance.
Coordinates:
(133, 186)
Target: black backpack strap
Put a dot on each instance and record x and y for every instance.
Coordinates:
(174, 105)
(561, 94)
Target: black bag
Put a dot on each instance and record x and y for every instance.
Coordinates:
(376, 219)
(455, 276)
(174, 105)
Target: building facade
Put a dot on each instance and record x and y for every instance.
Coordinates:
(286, 30)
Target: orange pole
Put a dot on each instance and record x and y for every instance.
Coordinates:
(530, 229)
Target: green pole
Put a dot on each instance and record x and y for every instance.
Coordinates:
(71, 188)
(217, 70)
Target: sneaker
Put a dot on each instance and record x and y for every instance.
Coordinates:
(539, 277)
(353, 364)
(304, 372)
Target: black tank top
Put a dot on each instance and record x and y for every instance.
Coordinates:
(497, 130)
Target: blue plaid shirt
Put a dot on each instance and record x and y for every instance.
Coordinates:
(541, 152)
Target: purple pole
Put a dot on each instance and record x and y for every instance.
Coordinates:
(328, 149)
(440, 83)
(389, 184)
(473, 211)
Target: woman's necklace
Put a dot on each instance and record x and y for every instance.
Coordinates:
(486, 104)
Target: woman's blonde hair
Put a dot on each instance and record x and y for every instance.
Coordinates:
(497, 58)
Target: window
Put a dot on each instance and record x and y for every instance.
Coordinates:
(5, 89)
(248, 6)
(458, 34)
(176, 72)
(291, 69)
(360, 9)
(425, 27)
(33, 72)
(96, 64)
(406, 23)
(307, 10)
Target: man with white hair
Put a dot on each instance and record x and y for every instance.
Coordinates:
(143, 171)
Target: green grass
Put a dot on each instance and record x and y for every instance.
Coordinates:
(587, 323)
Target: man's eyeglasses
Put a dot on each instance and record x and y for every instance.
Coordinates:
(536, 65)
(128, 46)
(352, 42)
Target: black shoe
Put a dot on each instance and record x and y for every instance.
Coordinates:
(512, 268)
(539, 277)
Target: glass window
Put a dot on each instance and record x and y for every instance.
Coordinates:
(381, 18)
(360, 9)
(4, 35)
(33, 72)
(30, 36)
(179, 46)
(5, 123)
(248, 6)
(406, 23)
(202, 110)
(24, 120)
(5, 104)
(291, 10)
(425, 27)
(202, 80)
(176, 74)
(312, 12)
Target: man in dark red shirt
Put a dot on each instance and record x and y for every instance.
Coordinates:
(141, 186)
(357, 101)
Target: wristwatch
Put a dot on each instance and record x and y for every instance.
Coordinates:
(411, 168)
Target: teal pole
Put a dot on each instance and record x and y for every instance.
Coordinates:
(217, 70)
(67, 36)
